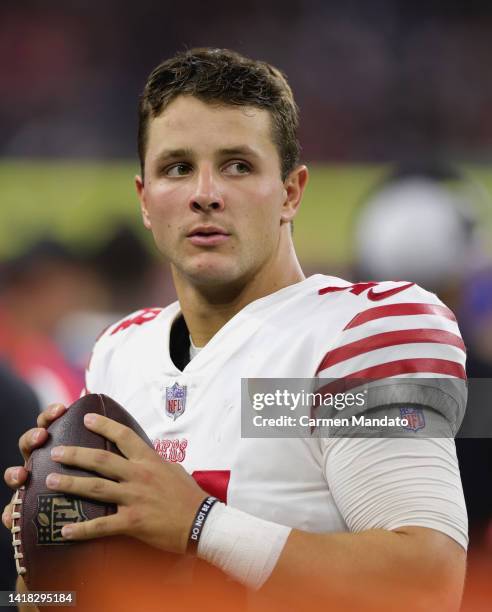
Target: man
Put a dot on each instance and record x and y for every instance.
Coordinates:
(356, 524)
(39, 288)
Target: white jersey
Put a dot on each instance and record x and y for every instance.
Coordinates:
(320, 327)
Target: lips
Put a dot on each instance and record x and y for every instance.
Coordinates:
(207, 235)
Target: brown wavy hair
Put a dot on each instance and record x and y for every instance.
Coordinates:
(224, 77)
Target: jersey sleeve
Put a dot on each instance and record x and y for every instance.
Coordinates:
(406, 348)
(404, 345)
(396, 482)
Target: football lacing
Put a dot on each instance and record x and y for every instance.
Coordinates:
(16, 540)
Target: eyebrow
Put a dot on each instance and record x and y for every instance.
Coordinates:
(170, 154)
(241, 150)
(173, 154)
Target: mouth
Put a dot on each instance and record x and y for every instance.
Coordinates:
(207, 236)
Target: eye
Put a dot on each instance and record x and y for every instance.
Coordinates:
(237, 168)
(177, 170)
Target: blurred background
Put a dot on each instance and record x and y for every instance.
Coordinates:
(396, 126)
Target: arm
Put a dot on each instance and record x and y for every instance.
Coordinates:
(411, 568)
(403, 503)
(402, 567)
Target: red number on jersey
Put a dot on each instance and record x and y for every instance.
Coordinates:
(146, 315)
(215, 482)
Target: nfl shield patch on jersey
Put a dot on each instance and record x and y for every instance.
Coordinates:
(175, 400)
(415, 418)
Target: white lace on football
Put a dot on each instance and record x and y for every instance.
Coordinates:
(15, 530)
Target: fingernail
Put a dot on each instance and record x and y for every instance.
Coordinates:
(15, 476)
(57, 452)
(56, 409)
(90, 418)
(35, 436)
(67, 531)
(53, 480)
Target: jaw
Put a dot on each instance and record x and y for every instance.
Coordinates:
(212, 288)
(207, 269)
(234, 274)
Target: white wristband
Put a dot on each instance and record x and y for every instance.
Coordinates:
(241, 545)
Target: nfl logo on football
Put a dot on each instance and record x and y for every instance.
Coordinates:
(175, 400)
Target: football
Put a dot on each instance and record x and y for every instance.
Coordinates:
(117, 572)
(44, 559)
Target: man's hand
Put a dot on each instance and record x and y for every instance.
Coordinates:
(157, 501)
(16, 476)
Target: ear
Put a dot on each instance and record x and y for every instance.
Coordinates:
(140, 187)
(294, 186)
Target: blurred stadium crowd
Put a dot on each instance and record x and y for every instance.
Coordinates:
(375, 80)
(379, 81)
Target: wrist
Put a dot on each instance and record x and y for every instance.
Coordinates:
(243, 546)
(187, 520)
(198, 523)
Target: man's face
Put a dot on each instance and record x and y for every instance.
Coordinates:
(213, 194)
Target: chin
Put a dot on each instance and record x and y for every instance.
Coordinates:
(214, 278)
(211, 273)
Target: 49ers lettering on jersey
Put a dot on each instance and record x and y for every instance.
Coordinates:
(322, 327)
(171, 450)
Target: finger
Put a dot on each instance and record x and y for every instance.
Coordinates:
(34, 438)
(87, 486)
(129, 443)
(51, 413)
(7, 516)
(95, 528)
(103, 462)
(15, 477)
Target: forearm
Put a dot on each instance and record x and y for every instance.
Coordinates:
(412, 568)
(409, 569)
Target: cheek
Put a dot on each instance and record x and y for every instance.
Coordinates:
(165, 203)
(264, 206)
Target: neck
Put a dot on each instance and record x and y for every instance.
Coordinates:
(208, 309)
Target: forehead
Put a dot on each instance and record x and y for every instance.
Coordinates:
(190, 123)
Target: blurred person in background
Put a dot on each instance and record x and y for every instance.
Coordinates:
(37, 289)
(126, 268)
(18, 409)
(420, 223)
(125, 275)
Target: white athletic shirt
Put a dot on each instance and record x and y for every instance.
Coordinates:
(325, 327)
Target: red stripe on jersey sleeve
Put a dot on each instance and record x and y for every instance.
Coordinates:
(383, 340)
(395, 368)
(398, 310)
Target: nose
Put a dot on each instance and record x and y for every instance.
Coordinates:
(206, 196)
